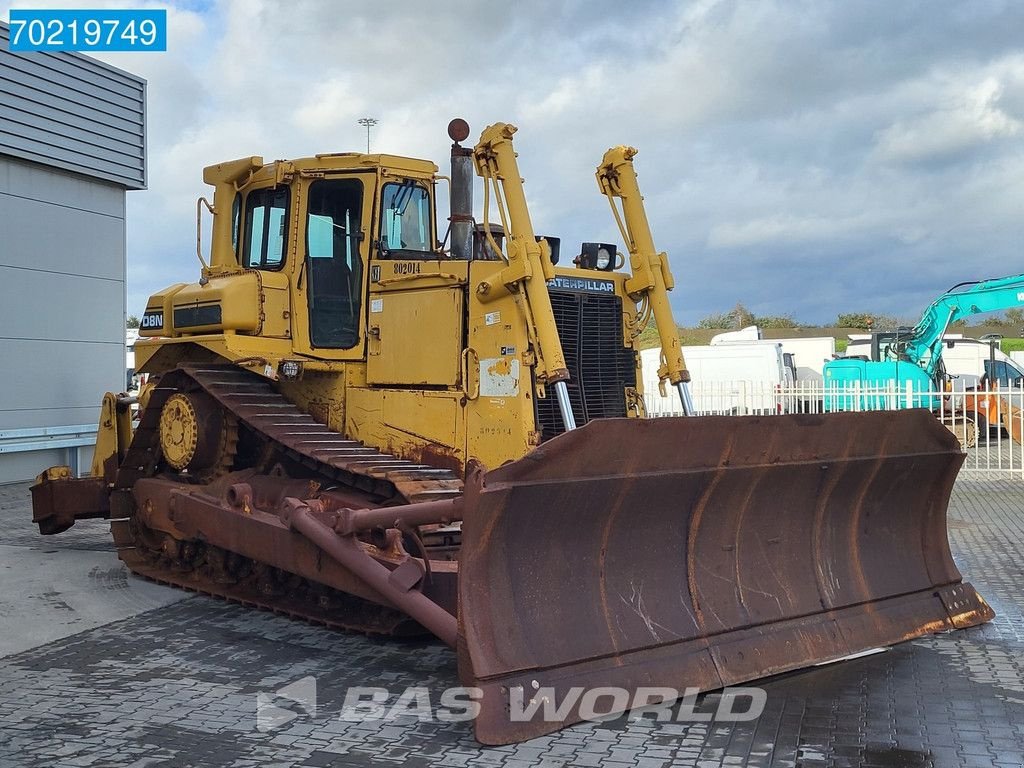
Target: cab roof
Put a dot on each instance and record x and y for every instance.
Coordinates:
(343, 161)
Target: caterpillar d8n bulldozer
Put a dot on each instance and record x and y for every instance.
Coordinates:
(348, 422)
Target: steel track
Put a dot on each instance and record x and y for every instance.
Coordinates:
(254, 402)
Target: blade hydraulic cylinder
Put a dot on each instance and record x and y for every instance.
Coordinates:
(651, 277)
(564, 405)
(683, 389)
(529, 260)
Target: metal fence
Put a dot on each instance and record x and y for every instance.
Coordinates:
(75, 441)
(988, 423)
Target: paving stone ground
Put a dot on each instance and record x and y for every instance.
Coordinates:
(179, 685)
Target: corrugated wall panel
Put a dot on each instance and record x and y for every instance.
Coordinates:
(72, 112)
(61, 306)
(62, 294)
(45, 249)
(30, 181)
(45, 118)
(63, 152)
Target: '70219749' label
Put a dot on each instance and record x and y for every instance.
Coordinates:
(93, 30)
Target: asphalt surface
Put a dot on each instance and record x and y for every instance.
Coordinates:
(99, 667)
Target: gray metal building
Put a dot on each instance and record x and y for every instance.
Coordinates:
(72, 141)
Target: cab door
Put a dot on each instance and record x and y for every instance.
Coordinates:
(417, 301)
(333, 251)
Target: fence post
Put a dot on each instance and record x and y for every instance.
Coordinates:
(1020, 426)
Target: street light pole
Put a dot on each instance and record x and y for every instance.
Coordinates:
(369, 122)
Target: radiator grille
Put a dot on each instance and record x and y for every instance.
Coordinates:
(600, 367)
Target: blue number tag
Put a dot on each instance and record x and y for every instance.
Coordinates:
(98, 30)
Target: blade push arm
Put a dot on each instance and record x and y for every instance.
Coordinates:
(651, 278)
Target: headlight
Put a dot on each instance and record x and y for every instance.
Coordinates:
(290, 370)
(597, 256)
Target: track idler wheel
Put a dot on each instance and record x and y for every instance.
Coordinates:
(197, 436)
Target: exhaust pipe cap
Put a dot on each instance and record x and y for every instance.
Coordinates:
(458, 130)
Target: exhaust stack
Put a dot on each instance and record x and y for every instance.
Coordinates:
(461, 191)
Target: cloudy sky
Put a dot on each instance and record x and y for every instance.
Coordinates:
(804, 158)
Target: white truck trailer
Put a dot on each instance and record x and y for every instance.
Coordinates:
(806, 356)
(735, 378)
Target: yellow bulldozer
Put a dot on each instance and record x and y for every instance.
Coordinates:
(355, 420)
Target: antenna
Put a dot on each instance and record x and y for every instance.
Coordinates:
(369, 122)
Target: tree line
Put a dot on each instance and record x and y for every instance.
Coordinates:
(740, 317)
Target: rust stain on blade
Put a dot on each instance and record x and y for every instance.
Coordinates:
(606, 608)
(691, 561)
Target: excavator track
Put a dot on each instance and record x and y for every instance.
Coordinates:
(195, 566)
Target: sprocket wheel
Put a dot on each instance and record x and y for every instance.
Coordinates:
(197, 436)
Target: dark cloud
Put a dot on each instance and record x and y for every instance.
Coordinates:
(806, 158)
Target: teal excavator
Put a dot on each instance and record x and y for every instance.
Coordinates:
(911, 358)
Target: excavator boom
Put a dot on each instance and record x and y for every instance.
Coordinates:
(924, 344)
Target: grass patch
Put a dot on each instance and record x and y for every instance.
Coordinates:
(1011, 345)
(649, 337)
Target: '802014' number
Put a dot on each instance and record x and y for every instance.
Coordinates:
(99, 30)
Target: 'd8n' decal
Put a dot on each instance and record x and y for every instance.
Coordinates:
(152, 321)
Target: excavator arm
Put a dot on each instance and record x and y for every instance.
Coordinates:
(925, 343)
(651, 278)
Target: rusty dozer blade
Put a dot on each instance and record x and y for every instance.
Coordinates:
(699, 553)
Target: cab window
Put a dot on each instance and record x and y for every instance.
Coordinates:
(266, 228)
(405, 218)
(1003, 373)
(333, 262)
